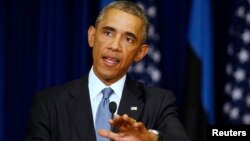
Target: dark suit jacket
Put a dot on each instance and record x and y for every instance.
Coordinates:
(63, 113)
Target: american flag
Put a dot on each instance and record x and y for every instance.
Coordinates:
(148, 70)
(236, 104)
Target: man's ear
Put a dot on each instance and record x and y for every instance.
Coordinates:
(142, 51)
(91, 36)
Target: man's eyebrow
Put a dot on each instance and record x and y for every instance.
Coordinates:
(108, 28)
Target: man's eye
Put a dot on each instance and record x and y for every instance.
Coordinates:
(129, 39)
(108, 33)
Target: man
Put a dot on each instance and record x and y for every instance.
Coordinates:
(71, 112)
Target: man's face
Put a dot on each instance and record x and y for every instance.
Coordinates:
(117, 43)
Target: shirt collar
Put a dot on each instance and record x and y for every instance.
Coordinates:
(96, 85)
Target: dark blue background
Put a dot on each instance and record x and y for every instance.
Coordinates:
(44, 43)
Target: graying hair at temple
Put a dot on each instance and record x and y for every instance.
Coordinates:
(128, 7)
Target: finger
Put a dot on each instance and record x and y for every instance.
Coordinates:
(128, 122)
(132, 121)
(140, 126)
(122, 121)
(114, 119)
(109, 134)
(117, 121)
(128, 119)
(117, 116)
(125, 117)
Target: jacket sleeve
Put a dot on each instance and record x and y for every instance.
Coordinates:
(168, 123)
(38, 126)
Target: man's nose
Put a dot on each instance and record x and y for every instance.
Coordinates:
(115, 44)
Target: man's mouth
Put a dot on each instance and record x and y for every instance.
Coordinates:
(110, 61)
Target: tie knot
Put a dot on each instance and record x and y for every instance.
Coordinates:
(107, 92)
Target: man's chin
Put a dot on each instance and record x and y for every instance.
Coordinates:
(109, 79)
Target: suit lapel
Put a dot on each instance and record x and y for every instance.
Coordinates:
(132, 102)
(79, 107)
(80, 110)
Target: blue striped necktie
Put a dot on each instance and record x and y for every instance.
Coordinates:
(103, 114)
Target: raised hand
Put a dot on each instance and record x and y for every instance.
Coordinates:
(129, 130)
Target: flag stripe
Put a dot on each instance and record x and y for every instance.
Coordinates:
(200, 39)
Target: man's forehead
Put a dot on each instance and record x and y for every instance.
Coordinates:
(118, 19)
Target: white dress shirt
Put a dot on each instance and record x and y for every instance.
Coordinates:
(96, 86)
